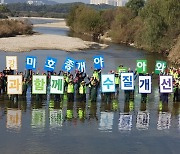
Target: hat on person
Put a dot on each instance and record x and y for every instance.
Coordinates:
(83, 82)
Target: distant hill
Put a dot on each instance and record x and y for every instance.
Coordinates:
(25, 1)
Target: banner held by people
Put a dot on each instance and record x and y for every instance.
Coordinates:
(11, 62)
(127, 81)
(141, 66)
(14, 84)
(39, 83)
(166, 84)
(68, 65)
(81, 65)
(145, 85)
(57, 85)
(50, 64)
(160, 67)
(108, 83)
(31, 62)
(98, 62)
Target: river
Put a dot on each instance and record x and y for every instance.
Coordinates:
(91, 128)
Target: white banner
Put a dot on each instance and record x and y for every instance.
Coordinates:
(14, 84)
(145, 84)
(11, 62)
(107, 83)
(57, 85)
(166, 84)
(127, 81)
(39, 83)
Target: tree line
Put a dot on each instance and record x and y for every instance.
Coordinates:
(153, 25)
(54, 11)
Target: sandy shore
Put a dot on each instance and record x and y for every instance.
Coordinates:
(47, 41)
(60, 24)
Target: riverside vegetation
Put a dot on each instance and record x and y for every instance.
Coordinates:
(153, 25)
(12, 27)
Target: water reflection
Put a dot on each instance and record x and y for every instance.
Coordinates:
(125, 122)
(179, 121)
(38, 119)
(14, 119)
(106, 121)
(164, 121)
(142, 120)
(83, 121)
(93, 111)
(55, 118)
(81, 111)
(53, 114)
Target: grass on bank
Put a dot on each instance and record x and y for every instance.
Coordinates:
(10, 28)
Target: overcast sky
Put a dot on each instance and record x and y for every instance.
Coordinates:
(69, 1)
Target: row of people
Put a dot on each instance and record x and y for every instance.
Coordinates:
(75, 84)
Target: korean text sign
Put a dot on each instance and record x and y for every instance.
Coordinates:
(98, 62)
(145, 85)
(57, 85)
(39, 84)
(166, 84)
(81, 65)
(31, 62)
(127, 81)
(107, 83)
(14, 84)
(68, 64)
(50, 64)
(160, 66)
(11, 62)
(141, 66)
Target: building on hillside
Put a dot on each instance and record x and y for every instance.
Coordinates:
(109, 2)
(34, 2)
(2, 2)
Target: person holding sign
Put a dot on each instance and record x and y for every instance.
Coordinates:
(82, 91)
(70, 91)
(94, 90)
(117, 83)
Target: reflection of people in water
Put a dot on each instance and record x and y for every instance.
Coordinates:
(126, 107)
(164, 120)
(143, 106)
(175, 109)
(36, 105)
(164, 97)
(69, 112)
(144, 97)
(163, 107)
(127, 95)
(11, 104)
(106, 106)
(81, 111)
(176, 92)
(92, 111)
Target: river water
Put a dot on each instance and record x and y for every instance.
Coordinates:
(28, 126)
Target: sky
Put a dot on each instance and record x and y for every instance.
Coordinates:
(69, 1)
